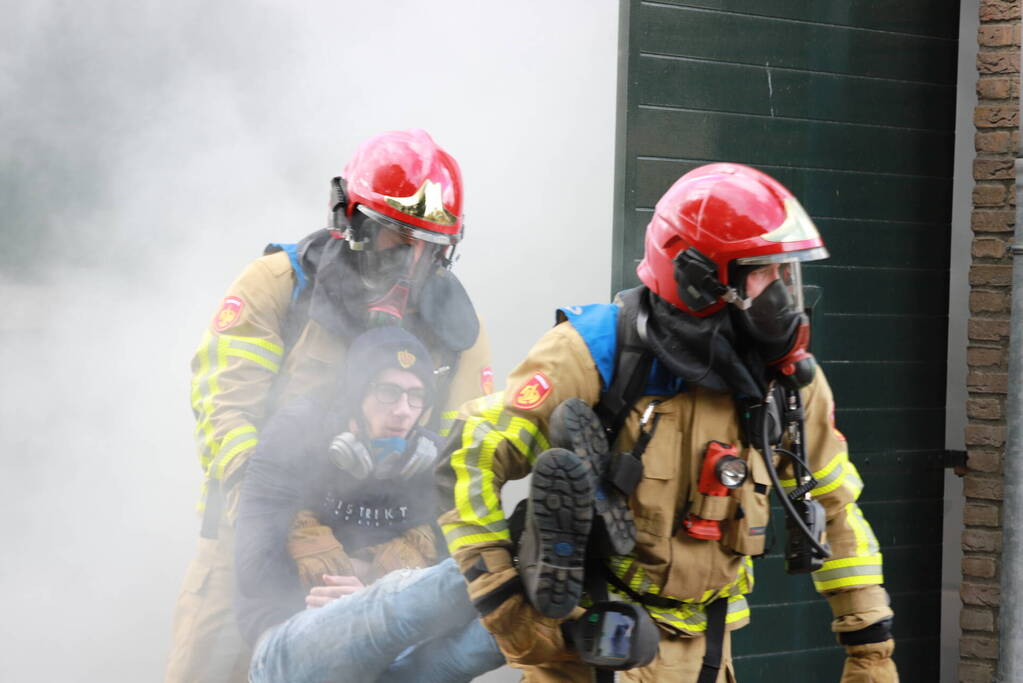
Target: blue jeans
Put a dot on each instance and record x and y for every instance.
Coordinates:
(411, 625)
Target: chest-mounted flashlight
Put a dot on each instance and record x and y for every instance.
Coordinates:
(723, 470)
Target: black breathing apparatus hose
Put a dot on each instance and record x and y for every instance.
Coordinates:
(767, 452)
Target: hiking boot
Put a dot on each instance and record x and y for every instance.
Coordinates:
(575, 427)
(552, 550)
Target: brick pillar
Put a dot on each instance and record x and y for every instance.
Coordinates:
(996, 119)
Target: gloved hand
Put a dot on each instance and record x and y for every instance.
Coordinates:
(315, 550)
(424, 539)
(523, 634)
(527, 637)
(415, 548)
(870, 663)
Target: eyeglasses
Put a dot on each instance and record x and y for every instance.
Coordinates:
(387, 393)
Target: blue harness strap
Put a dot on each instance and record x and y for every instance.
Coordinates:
(597, 324)
(292, 251)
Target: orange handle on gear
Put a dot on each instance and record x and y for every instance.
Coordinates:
(723, 470)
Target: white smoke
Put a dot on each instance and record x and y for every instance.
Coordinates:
(147, 152)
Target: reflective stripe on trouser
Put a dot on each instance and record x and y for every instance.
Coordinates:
(206, 646)
(690, 617)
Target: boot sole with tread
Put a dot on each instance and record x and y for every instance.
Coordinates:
(560, 511)
(575, 427)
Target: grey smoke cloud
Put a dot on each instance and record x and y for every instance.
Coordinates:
(147, 152)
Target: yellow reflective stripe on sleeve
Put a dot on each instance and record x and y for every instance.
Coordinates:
(476, 499)
(212, 355)
(257, 350)
(447, 419)
(203, 382)
(458, 535)
(849, 571)
(234, 442)
(866, 541)
(865, 568)
(840, 471)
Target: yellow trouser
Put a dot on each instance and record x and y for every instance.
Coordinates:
(678, 659)
(206, 645)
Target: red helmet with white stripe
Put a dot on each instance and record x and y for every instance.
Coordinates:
(717, 217)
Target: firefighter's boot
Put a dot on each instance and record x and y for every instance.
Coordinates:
(552, 550)
(575, 427)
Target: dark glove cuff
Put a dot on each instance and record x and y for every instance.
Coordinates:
(486, 604)
(875, 633)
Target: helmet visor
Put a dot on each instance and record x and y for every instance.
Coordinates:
(780, 281)
(405, 230)
(386, 255)
(752, 274)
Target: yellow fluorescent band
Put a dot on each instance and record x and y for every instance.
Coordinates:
(821, 473)
(259, 360)
(866, 580)
(490, 537)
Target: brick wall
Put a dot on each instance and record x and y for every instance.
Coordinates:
(993, 219)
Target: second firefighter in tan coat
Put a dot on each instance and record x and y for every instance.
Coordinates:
(702, 363)
(283, 329)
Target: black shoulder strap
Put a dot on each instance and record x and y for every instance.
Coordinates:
(633, 360)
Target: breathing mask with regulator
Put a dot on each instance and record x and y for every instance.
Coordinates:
(392, 261)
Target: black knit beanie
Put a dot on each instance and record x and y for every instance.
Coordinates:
(378, 349)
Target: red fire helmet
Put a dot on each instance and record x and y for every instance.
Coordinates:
(406, 179)
(729, 213)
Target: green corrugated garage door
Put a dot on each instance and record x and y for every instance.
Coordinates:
(851, 105)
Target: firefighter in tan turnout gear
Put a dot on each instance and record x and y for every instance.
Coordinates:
(694, 376)
(282, 330)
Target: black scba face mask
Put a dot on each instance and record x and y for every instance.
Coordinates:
(776, 322)
(392, 267)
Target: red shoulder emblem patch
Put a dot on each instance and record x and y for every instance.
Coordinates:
(487, 380)
(533, 392)
(230, 313)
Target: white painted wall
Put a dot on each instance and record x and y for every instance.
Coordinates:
(169, 143)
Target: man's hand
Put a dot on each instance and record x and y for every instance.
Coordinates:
(333, 587)
(315, 550)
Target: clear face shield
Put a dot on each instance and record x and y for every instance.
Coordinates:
(393, 260)
(770, 306)
(780, 276)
